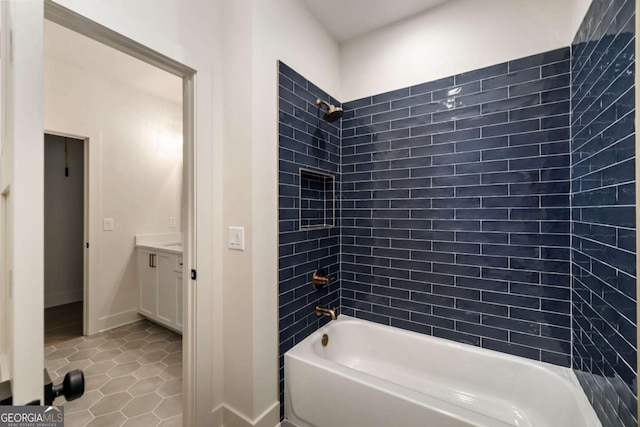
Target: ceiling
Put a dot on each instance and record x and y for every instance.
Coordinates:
(348, 19)
(344, 20)
(69, 47)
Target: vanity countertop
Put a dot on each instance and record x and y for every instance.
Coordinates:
(174, 248)
(171, 243)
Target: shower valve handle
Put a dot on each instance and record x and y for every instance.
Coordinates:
(320, 279)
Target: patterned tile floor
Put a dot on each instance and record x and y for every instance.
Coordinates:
(133, 376)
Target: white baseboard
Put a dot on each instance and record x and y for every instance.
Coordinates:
(62, 298)
(232, 418)
(118, 319)
(5, 373)
(217, 415)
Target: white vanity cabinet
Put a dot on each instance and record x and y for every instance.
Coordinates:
(160, 286)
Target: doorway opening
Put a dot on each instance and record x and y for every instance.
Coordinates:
(144, 353)
(131, 113)
(64, 238)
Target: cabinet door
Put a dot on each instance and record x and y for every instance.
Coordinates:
(147, 278)
(178, 300)
(166, 288)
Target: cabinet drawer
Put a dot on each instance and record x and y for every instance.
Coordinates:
(178, 267)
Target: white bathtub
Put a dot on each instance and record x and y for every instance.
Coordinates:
(374, 375)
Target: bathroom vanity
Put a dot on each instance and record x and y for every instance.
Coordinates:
(159, 265)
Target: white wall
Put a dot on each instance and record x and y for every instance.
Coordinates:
(277, 30)
(314, 54)
(579, 9)
(135, 167)
(63, 221)
(237, 211)
(452, 38)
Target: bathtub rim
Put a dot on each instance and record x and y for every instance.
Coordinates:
(303, 350)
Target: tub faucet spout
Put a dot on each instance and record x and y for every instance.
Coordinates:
(322, 311)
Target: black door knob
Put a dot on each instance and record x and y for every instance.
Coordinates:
(72, 387)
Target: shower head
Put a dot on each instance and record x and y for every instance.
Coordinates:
(333, 113)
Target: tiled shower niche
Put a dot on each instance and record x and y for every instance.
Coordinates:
(317, 199)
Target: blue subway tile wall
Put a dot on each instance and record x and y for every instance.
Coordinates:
(603, 210)
(455, 210)
(307, 142)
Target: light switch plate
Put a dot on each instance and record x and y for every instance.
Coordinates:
(108, 224)
(172, 222)
(236, 238)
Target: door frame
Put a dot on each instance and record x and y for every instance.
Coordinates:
(85, 26)
(87, 257)
(6, 304)
(21, 171)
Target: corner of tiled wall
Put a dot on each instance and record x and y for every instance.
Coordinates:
(306, 142)
(604, 286)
